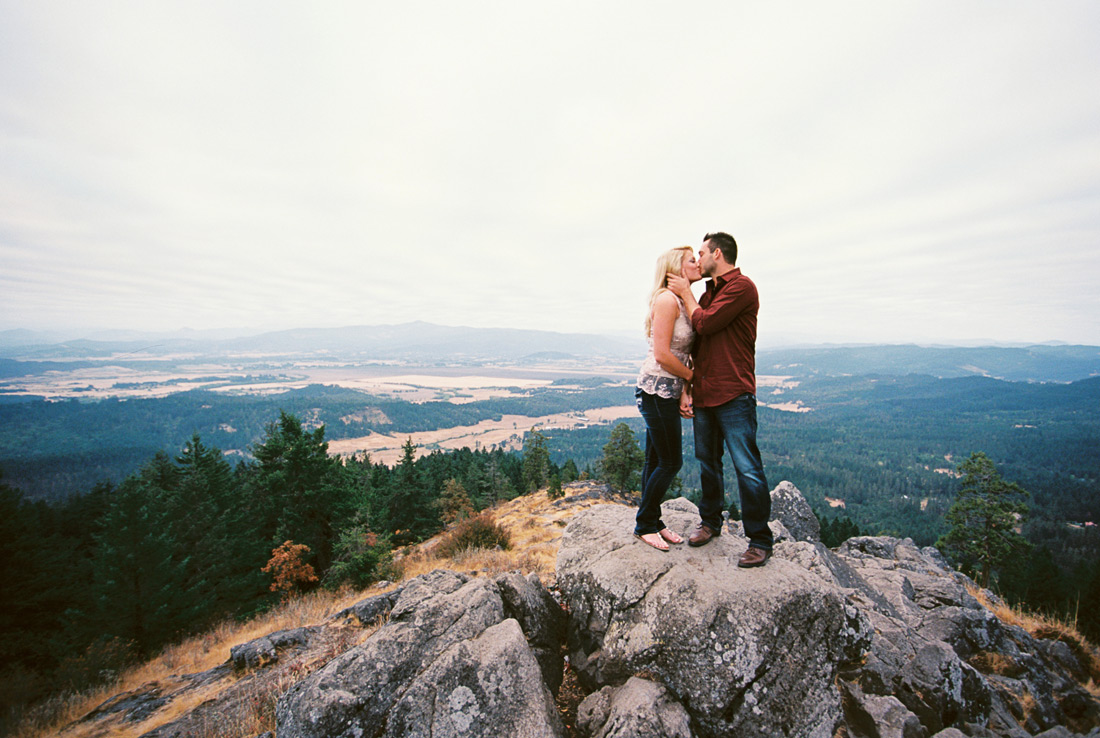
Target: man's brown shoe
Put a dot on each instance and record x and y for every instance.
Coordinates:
(702, 535)
(755, 556)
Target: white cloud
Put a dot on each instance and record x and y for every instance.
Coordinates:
(902, 171)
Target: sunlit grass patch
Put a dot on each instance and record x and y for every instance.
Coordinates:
(1048, 627)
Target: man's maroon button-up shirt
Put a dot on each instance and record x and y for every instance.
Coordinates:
(725, 340)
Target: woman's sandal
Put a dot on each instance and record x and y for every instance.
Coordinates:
(653, 539)
(670, 536)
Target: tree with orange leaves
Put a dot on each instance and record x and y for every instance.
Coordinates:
(289, 570)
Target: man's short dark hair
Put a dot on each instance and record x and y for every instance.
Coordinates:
(723, 242)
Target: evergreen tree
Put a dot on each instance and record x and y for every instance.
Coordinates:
(454, 504)
(984, 518)
(140, 575)
(554, 491)
(206, 522)
(622, 459)
(1034, 581)
(360, 555)
(478, 483)
(1088, 608)
(301, 488)
(569, 472)
(30, 571)
(368, 487)
(410, 512)
(536, 462)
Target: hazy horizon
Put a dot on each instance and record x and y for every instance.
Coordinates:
(766, 343)
(913, 172)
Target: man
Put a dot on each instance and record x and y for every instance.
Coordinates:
(722, 400)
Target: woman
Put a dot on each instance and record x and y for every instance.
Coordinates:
(666, 373)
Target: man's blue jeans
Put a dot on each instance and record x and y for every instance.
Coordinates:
(733, 425)
(663, 457)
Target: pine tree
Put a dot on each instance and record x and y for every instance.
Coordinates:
(536, 462)
(205, 521)
(411, 515)
(554, 491)
(140, 576)
(478, 483)
(984, 518)
(360, 555)
(1089, 606)
(569, 472)
(454, 504)
(300, 487)
(622, 458)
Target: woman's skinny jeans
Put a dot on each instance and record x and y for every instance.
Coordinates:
(663, 457)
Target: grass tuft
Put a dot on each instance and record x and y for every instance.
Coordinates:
(1047, 627)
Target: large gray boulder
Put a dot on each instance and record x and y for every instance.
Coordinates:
(748, 652)
(490, 685)
(790, 508)
(636, 709)
(877, 716)
(540, 617)
(448, 661)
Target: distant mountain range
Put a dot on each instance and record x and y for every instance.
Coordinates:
(414, 342)
(1045, 363)
(431, 344)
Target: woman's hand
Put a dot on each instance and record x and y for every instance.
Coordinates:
(687, 410)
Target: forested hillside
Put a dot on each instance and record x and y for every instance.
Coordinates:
(114, 574)
(151, 531)
(51, 450)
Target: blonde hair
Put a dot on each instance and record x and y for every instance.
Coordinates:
(668, 263)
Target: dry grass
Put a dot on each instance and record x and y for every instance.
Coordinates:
(1027, 707)
(993, 662)
(533, 522)
(1045, 626)
(195, 654)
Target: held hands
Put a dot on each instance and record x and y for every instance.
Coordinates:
(687, 410)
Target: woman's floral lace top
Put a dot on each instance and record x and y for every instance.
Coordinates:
(653, 378)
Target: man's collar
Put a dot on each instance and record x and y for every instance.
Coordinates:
(721, 279)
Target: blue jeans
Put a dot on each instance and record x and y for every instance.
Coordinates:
(733, 425)
(663, 457)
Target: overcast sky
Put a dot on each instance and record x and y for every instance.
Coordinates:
(893, 171)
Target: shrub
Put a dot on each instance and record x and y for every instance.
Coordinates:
(554, 491)
(360, 557)
(480, 531)
(289, 570)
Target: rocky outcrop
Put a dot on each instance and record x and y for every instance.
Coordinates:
(457, 656)
(747, 652)
(265, 650)
(790, 508)
(877, 638)
(950, 660)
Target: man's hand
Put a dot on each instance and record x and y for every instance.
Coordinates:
(687, 410)
(679, 285)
